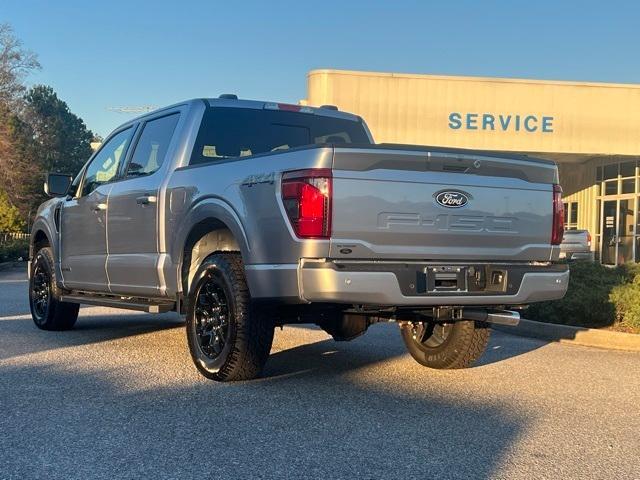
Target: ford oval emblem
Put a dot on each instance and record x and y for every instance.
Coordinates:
(451, 199)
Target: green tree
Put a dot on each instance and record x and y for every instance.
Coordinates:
(10, 218)
(21, 179)
(62, 138)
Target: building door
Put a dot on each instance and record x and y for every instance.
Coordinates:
(617, 231)
(625, 230)
(609, 231)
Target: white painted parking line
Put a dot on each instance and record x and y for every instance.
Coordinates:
(16, 317)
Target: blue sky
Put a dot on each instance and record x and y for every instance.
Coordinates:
(159, 52)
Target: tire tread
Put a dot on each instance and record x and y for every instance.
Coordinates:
(469, 341)
(61, 315)
(253, 332)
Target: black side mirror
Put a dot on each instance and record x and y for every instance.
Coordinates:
(57, 184)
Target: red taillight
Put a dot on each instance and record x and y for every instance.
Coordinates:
(588, 239)
(557, 229)
(306, 195)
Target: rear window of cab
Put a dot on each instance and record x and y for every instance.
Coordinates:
(228, 132)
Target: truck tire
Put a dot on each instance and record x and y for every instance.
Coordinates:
(446, 345)
(229, 339)
(47, 311)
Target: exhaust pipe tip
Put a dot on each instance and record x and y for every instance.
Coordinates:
(498, 317)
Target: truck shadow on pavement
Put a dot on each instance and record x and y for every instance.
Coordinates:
(384, 341)
(21, 337)
(104, 328)
(323, 409)
(64, 421)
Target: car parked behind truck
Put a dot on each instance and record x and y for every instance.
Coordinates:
(247, 215)
(576, 245)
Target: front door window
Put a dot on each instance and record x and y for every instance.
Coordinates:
(104, 166)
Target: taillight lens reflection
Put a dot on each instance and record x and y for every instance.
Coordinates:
(306, 195)
(557, 229)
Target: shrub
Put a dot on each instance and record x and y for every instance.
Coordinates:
(590, 300)
(626, 298)
(14, 250)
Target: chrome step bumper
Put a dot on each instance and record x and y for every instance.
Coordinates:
(318, 284)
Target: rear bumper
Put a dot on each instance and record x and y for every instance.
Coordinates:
(378, 283)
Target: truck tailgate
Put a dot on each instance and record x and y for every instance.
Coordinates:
(436, 204)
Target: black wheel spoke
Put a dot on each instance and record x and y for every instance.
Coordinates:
(216, 344)
(40, 291)
(212, 318)
(438, 334)
(431, 334)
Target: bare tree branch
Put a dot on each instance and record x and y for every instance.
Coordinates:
(16, 63)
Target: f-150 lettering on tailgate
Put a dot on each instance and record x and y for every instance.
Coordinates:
(447, 222)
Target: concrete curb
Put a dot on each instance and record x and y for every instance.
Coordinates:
(589, 337)
(10, 265)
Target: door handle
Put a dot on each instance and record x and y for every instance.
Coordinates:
(146, 199)
(99, 207)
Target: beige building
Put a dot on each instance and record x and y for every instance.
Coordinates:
(592, 130)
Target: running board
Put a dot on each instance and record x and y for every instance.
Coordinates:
(115, 302)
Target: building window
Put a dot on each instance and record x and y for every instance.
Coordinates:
(628, 185)
(610, 171)
(628, 169)
(611, 187)
(617, 178)
(571, 215)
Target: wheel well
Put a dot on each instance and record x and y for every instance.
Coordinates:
(40, 240)
(206, 237)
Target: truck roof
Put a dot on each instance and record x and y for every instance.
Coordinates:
(253, 104)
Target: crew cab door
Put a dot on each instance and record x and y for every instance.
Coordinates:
(83, 222)
(134, 206)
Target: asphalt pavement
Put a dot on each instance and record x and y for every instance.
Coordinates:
(118, 397)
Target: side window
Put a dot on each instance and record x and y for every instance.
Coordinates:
(104, 167)
(337, 137)
(152, 146)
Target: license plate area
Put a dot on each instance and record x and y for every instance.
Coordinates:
(446, 278)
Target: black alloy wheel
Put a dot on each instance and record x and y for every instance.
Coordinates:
(456, 344)
(431, 334)
(47, 311)
(212, 318)
(40, 293)
(229, 336)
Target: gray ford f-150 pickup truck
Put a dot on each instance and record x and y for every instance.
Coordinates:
(248, 215)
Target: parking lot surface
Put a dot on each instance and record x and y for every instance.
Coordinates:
(118, 397)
